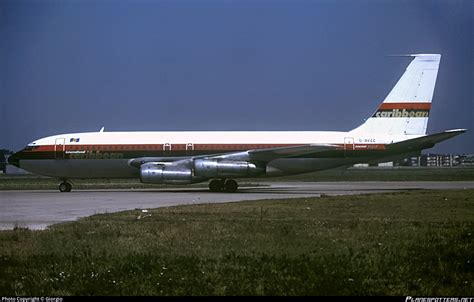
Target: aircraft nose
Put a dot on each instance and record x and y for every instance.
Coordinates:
(14, 159)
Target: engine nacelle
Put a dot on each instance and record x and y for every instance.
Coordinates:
(210, 168)
(159, 174)
(196, 171)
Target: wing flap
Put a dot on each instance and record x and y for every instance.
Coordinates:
(270, 154)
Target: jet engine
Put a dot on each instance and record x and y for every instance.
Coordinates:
(213, 168)
(160, 174)
(197, 170)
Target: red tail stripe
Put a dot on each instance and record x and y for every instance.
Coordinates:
(413, 106)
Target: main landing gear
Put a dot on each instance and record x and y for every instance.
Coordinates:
(223, 185)
(65, 186)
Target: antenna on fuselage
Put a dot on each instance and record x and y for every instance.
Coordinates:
(102, 129)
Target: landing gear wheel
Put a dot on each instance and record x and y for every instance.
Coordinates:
(216, 185)
(231, 186)
(65, 187)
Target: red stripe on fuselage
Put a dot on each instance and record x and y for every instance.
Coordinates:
(183, 147)
(158, 147)
(358, 147)
(407, 106)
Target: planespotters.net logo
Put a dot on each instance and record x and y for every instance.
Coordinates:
(438, 299)
(402, 113)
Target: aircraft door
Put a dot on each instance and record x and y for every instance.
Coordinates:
(189, 149)
(167, 149)
(59, 148)
(348, 146)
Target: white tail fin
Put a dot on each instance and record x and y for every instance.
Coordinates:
(406, 108)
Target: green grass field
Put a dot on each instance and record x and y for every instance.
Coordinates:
(409, 243)
(33, 182)
(386, 174)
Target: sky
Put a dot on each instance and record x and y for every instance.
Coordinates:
(78, 65)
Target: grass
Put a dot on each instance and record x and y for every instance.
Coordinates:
(34, 182)
(386, 174)
(410, 243)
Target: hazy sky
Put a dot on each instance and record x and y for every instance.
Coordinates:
(78, 65)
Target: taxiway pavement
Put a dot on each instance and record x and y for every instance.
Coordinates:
(41, 208)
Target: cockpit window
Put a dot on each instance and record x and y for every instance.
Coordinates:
(29, 148)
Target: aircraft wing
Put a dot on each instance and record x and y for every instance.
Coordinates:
(427, 141)
(267, 155)
(261, 155)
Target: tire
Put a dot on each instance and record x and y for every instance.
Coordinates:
(216, 185)
(65, 187)
(231, 186)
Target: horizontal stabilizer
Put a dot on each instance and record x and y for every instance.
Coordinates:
(427, 141)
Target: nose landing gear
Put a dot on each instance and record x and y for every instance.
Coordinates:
(223, 185)
(65, 186)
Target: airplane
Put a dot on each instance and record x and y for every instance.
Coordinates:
(397, 129)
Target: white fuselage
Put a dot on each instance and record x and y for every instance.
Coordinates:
(107, 154)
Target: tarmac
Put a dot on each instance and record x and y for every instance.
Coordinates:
(39, 209)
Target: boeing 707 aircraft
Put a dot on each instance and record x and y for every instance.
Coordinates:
(397, 129)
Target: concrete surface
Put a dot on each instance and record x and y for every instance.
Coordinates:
(41, 208)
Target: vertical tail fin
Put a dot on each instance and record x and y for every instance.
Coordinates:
(406, 108)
